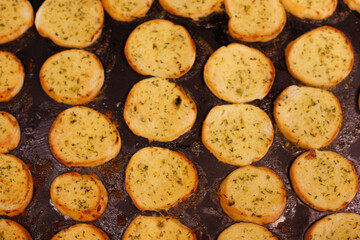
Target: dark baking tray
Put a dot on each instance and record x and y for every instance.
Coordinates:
(35, 112)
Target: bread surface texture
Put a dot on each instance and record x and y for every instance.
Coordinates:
(308, 117)
(151, 227)
(9, 132)
(193, 9)
(322, 57)
(16, 17)
(68, 23)
(353, 4)
(255, 21)
(12, 76)
(309, 9)
(157, 178)
(81, 136)
(337, 226)
(81, 232)
(16, 185)
(253, 194)
(239, 74)
(324, 180)
(237, 134)
(127, 10)
(82, 197)
(72, 76)
(159, 110)
(160, 48)
(11, 230)
(248, 231)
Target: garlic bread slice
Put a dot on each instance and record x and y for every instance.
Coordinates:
(157, 178)
(72, 76)
(81, 232)
(81, 136)
(82, 197)
(237, 134)
(160, 48)
(253, 194)
(353, 4)
(151, 227)
(308, 117)
(68, 23)
(310, 9)
(248, 231)
(11, 230)
(9, 132)
(127, 10)
(322, 57)
(238, 74)
(16, 185)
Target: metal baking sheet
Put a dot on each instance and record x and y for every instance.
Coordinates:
(35, 112)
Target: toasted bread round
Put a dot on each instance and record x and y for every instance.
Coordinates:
(317, 10)
(322, 57)
(160, 48)
(239, 74)
(68, 23)
(16, 185)
(337, 226)
(12, 76)
(72, 76)
(253, 194)
(9, 132)
(324, 180)
(353, 4)
(157, 178)
(81, 136)
(127, 10)
(309, 117)
(255, 21)
(81, 232)
(237, 134)
(194, 9)
(248, 231)
(10, 230)
(151, 227)
(81, 197)
(159, 110)
(16, 17)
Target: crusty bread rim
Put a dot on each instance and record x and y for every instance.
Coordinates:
(167, 206)
(159, 139)
(93, 163)
(314, 13)
(134, 67)
(98, 230)
(13, 137)
(290, 137)
(24, 232)
(77, 100)
(353, 5)
(118, 16)
(304, 80)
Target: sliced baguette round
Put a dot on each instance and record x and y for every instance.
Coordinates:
(193, 9)
(157, 178)
(255, 21)
(16, 17)
(151, 227)
(160, 48)
(12, 76)
(10, 230)
(308, 117)
(159, 110)
(324, 180)
(68, 23)
(16, 185)
(248, 231)
(238, 74)
(82, 197)
(237, 134)
(127, 10)
(72, 76)
(9, 132)
(337, 226)
(81, 232)
(253, 194)
(322, 57)
(81, 136)
(316, 10)
(353, 4)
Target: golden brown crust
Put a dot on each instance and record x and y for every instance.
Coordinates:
(11, 228)
(70, 233)
(120, 15)
(10, 133)
(309, 10)
(245, 230)
(353, 5)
